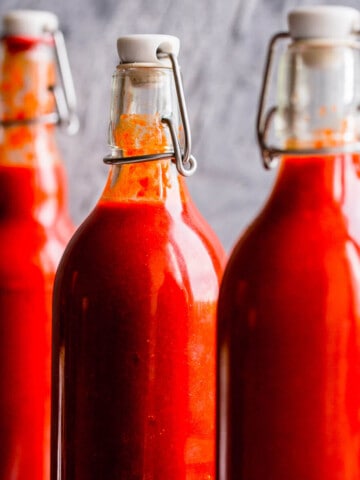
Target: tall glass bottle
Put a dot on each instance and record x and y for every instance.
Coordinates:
(34, 228)
(135, 298)
(289, 306)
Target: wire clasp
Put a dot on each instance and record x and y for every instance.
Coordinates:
(65, 96)
(263, 121)
(185, 162)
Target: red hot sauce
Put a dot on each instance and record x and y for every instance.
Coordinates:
(134, 326)
(289, 330)
(34, 228)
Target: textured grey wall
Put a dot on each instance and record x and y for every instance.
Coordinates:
(223, 44)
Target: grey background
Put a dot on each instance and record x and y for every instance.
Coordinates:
(223, 45)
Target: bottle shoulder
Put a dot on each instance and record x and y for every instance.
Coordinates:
(279, 272)
(291, 247)
(29, 145)
(30, 253)
(273, 230)
(140, 244)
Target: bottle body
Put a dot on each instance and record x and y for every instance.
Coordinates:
(34, 228)
(134, 302)
(134, 338)
(289, 325)
(289, 318)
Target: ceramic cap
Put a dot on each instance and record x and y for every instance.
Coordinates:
(323, 21)
(143, 48)
(32, 23)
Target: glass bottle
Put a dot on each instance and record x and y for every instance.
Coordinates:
(289, 304)
(135, 298)
(34, 228)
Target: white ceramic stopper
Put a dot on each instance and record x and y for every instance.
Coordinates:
(144, 48)
(323, 21)
(28, 23)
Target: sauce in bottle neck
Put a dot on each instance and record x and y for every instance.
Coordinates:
(318, 110)
(318, 95)
(141, 97)
(28, 75)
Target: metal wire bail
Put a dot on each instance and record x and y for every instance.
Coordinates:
(185, 162)
(65, 96)
(263, 121)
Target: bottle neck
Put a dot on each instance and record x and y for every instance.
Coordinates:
(155, 182)
(32, 179)
(318, 108)
(318, 95)
(142, 96)
(27, 77)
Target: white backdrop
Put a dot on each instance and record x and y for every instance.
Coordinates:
(223, 45)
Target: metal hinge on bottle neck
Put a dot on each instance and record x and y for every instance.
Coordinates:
(185, 162)
(270, 154)
(65, 97)
(64, 94)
